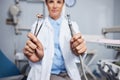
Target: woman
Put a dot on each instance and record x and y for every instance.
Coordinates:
(53, 53)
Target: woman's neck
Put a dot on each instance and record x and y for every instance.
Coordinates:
(55, 18)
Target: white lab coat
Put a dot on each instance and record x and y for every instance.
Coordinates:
(41, 70)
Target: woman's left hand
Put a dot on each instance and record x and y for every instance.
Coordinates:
(77, 44)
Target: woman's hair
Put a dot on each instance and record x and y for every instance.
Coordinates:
(46, 0)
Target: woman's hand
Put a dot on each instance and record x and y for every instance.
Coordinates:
(78, 44)
(33, 49)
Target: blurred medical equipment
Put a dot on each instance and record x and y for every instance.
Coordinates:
(110, 30)
(112, 43)
(109, 68)
(14, 11)
(107, 42)
(83, 66)
(22, 64)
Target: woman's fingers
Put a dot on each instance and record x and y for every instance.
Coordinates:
(80, 49)
(35, 44)
(76, 40)
(30, 44)
(34, 39)
(27, 53)
(33, 49)
(78, 44)
(75, 37)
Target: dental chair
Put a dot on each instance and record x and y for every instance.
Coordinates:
(110, 68)
(8, 70)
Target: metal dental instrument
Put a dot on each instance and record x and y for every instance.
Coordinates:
(72, 33)
(37, 29)
(70, 24)
(36, 32)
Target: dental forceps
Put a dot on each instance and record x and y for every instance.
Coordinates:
(36, 32)
(37, 29)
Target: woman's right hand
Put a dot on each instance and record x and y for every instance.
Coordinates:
(33, 49)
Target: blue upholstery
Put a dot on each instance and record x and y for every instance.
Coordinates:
(7, 68)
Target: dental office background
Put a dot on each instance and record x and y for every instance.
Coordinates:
(91, 16)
